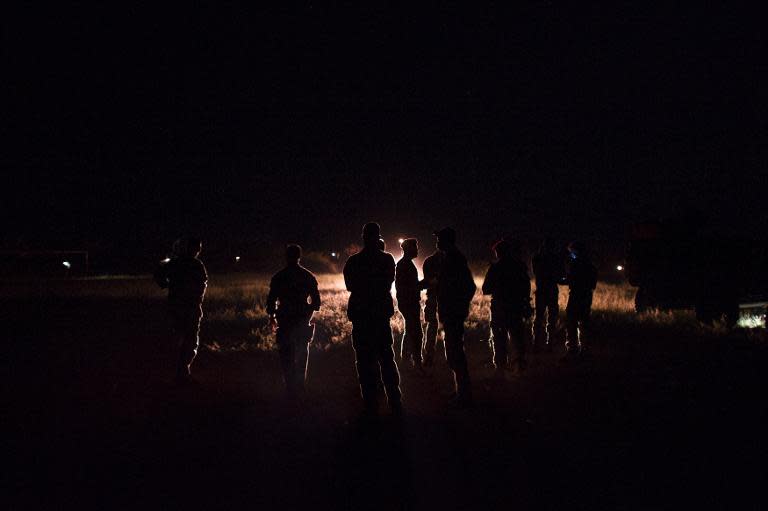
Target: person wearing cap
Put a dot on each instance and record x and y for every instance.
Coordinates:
(431, 270)
(186, 279)
(408, 290)
(581, 277)
(455, 289)
(368, 276)
(293, 298)
(507, 281)
(548, 271)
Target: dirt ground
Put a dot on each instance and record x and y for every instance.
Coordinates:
(649, 422)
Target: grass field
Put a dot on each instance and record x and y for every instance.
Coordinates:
(664, 411)
(235, 318)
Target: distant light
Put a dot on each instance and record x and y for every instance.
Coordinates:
(166, 260)
(333, 254)
(400, 240)
(67, 264)
(237, 258)
(620, 268)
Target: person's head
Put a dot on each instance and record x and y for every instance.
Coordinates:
(549, 246)
(577, 249)
(446, 238)
(187, 247)
(508, 248)
(292, 254)
(371, 234)
(410, 248)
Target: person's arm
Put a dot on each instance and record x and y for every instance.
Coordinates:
(349, 274)
(315, 295)
(489, 283)
(202, 278)
(272, 298)
(161, 275)
(469, 283)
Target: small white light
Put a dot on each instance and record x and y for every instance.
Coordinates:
(237, 258)
(67, 264)
(166, 260)
(620, 268)
(400, 240)
(333, 254)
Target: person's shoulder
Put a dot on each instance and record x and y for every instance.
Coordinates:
(307, 274)
(279, 274)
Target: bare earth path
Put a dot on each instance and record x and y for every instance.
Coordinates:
(648, 423)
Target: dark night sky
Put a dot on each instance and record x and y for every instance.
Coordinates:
(130, 126)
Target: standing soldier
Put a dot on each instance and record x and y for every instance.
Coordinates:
(409, 302)
(548, 270)
(508, 282)
(293, 298)
(431, 274)
(581, 278)
(455, 289)
(185, 278)
(368, 276)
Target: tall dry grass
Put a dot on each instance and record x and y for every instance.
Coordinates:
(235, 317)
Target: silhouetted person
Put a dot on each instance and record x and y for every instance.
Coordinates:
(293, 298)
(368, 276)
(409, 301)
(508, 282)
(186, 280)
(431, 275)
(581, 278)
(548, 271)
(455, 289)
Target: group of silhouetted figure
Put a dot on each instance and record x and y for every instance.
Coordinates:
(368, 275)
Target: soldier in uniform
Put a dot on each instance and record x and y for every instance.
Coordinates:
(185, 278)
(368, 276)
(408, 290)
(548, 271)
(455, 289)
(293, 298)
(581, 277)
(431, 274)
(508, 282)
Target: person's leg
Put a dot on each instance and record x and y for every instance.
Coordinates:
(553, 313)
(517, 336)
(390, 376)
(413, 335)
(300, 339)
(187, 325)
(540, 320)
(454, 353)
(571, 327)
(366, 362)
(403, 350)
(430, 334)
(584, 323)
(286, 353)
(499, 346)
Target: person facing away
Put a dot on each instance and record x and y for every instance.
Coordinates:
(431, 269)
(507, 281)
(548, 271)
(293, 298)
(368, 276)
(455, 289)
(408, 289)
(185, 278)
(581, 277)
